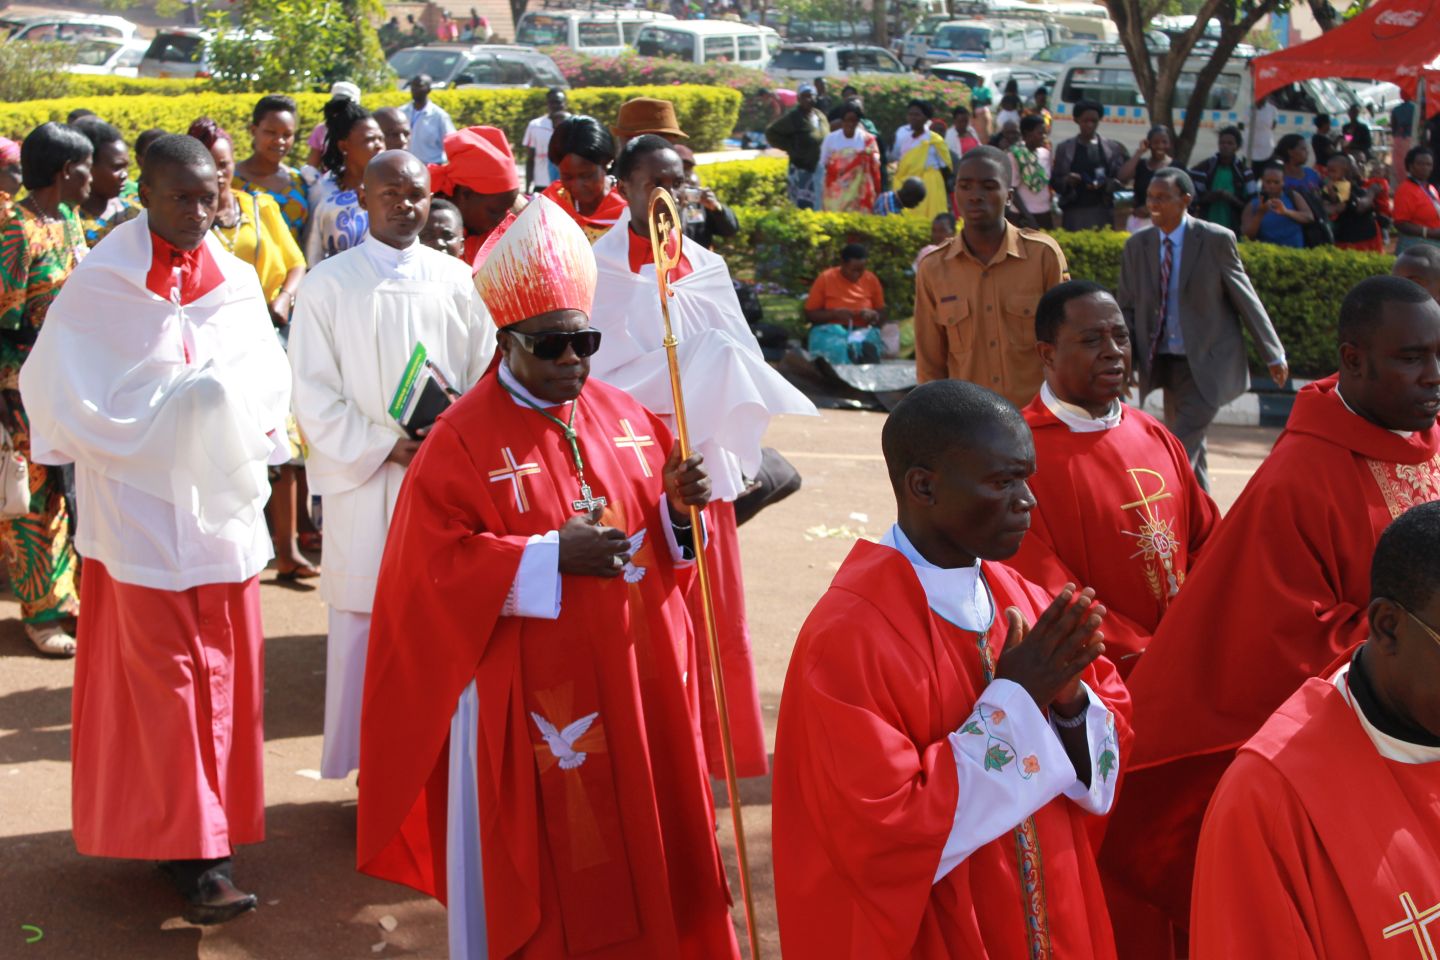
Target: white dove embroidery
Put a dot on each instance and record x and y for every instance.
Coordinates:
(633, 572)
(562, 742)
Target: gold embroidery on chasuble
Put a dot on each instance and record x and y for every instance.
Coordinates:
(1416, 923)
(1156, 541)
(1403, 485)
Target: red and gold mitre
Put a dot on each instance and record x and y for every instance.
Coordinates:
(535, 263)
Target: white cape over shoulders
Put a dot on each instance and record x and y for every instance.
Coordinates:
(731, 393)
(183, 403)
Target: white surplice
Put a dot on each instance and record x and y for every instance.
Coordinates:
(731, 393)
(989, 806)
(170, 414)
(358, 317)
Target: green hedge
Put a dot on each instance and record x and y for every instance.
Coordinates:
(1301, 289)
(707, 113)
(85, 85)
(756, 183)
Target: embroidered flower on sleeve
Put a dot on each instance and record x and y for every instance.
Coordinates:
(997, 716)
(1031, 764)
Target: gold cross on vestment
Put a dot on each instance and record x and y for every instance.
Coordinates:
(632, 442)
(515, 473)
(1417, 924)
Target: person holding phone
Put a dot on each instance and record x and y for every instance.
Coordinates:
(1154, 154)
(1278, 214)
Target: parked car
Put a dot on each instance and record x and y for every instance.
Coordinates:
(65, 27)
(477, 65)
(994, 76)
(1057, 55)
(806, 61)
(980, 39)
(111, 57)
(709, 41)
(183, 53)
(597, 32)
(913, 45)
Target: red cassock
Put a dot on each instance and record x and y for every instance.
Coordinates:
(1279, 596)
(866, 787)
(1317, 846)
(615, 857)
(1118, 510)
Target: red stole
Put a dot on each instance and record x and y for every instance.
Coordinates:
(865, 787)
(1349, 843)
(1118, 510)
(617, 847)
(1278, 596)
(643, 252)
(194, 272)
(595, 224)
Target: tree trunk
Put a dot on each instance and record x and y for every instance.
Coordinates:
(882, 25)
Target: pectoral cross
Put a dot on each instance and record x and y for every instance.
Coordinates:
(588, 502)
(1416, 923)
(631, 441)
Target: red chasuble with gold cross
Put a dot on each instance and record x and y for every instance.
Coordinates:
(1316, 845)
(1118, 510)
(1279, 595)
(596, 818)
(866, 788)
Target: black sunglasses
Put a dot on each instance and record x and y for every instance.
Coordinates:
(551, 346)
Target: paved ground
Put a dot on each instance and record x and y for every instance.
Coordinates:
(314, 904)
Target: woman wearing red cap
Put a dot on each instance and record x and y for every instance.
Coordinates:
(480, 178)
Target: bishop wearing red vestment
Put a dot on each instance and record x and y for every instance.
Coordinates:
(1323, 839)
(947, 732)
(1283, 587)
(531, 754)
(1117, 505)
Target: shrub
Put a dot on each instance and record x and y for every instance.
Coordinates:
(705, 112)
(314, 43)
(99, 85)
(34, 70)
(885, 97)
(1301, 289)
(751, 183)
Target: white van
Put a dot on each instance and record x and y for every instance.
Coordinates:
(709, 41)
(1108, 79)
(605, 33)
(980, 39)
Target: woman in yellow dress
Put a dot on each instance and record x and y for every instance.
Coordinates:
(923, 154)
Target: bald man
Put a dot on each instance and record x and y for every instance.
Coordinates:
(360, 318)
(949, 733)
(1420, 264)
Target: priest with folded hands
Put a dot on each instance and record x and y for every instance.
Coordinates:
(529, 745)
(949, 733)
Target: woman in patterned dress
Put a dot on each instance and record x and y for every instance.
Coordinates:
(39, 247)
(109, 204)
(273, 123)
(338, 222)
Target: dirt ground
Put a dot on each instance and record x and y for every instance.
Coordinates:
(313, 903)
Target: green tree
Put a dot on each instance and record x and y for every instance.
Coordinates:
(1157, 76)
(30, 71)
(297, 45)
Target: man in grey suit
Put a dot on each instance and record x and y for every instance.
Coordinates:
(1185, 295)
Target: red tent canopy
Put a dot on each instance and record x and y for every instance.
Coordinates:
(1394, 40)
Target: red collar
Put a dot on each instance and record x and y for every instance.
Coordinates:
(642, 253)
(195, 270)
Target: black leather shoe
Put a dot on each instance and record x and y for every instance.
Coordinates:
(217, 900)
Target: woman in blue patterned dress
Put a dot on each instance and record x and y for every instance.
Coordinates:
(272, 130)
(338, 222)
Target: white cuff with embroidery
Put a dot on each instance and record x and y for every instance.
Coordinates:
(1010, 763)
(536, 590)
(1104, 752)
(682, 556)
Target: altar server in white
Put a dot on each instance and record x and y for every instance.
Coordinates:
(359, 316)
(731, 395)
(158, 375)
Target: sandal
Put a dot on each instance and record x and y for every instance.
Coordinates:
(51, 639)
(301, 571)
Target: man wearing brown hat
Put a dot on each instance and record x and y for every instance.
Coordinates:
(646, 115)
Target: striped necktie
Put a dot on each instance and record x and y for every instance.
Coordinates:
(1167, 263)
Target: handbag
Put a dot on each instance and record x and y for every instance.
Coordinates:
(14, 479)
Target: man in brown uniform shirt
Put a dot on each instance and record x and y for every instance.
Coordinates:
(975, 296)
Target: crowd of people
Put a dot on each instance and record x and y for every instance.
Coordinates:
(996, 738)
